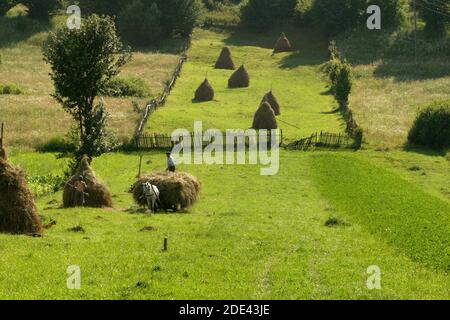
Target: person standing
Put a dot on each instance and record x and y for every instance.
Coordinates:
(170, 163)
(80, 188)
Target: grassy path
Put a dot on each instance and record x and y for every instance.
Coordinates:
(295, 78)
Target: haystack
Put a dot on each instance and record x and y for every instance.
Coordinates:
(18, 213)
(205, 92)
(272, 100)
(97, 195)
(178, 190)
(283, 44)
(225, 61)
(265, 118)
(239, 79)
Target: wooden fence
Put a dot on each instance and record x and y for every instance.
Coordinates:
(164, 141)
(160, 101)
(323, 139)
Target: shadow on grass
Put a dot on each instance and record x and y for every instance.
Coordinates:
(404, 71)
(310, 46)
(426, 151)
(165, 46)
(14, 30)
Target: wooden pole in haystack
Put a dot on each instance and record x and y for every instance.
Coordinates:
(1, 135)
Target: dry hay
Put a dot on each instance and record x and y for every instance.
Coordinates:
(205, 92)
(239, 79)
(18, 213)
(98, 196)
(178, 190)
(272, 100)
(283, 44)
(265, 118)
(225, 61)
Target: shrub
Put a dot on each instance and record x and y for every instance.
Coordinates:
(436, 19)
(432, 127)
(259, 15)
(40, 9)
(303, 16)
(179, 16)
(139, 24)
(5, 5)
(126, 87)
(10, 89)
(335, 17)
(62, 144)
(343, 85)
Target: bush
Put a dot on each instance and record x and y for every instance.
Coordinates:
(139, 24)
(259, 15)
(62, 144)
(10, 89)
(335, 17)
(40, 9)
(179, 16)
(435, 22)
(126, 87)
(303, 16)
(5, 5)
(432, 127)
(343, 83)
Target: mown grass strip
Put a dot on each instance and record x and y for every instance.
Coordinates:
(408, 218)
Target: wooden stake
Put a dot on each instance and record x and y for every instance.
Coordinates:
(1, 135)
(165, 244)
(140, 166)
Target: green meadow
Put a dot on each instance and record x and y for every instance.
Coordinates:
(306, 105)
(249, 237)
(310, 232)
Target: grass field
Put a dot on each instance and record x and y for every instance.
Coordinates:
(249, 236)
(235, 245)
(22, 64)
(389, 86)
(305, 104)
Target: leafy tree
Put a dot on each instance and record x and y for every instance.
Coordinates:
(258, 15)
(82, 62)
(179, 16)
(436, 16)
(140, 24)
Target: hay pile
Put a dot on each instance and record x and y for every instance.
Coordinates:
(239, 79)
(272, 100)
(225, 61)
(283, 44)
(98, 196)
(178, 190)
(205, 92)
(18, 213)
(265, 118)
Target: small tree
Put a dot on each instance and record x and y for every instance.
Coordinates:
(82, 62)
(436, 19)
